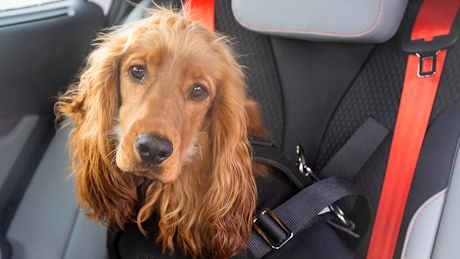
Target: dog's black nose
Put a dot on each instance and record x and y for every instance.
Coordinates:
(153, 148)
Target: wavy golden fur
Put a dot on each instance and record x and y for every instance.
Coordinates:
(205, 192)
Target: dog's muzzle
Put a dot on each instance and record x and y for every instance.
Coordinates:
(153, 149)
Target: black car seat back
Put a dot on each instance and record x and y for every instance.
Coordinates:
(331, 89)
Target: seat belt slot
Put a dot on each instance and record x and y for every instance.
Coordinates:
(425, 57)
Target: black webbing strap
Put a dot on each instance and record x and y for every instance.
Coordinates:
(296, 214)
(356, 151)
(266, 152)
(113, 236)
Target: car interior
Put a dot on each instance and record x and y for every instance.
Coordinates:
(335, 66)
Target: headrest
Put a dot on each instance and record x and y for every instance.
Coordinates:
(363, 21)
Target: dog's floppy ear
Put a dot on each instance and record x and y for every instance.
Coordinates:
(104, 193)
(230, 212)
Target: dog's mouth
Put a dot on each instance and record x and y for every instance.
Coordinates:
(148, 170)
(138, 167)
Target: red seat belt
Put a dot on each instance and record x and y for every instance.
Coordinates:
(202, 11)
(434, 19)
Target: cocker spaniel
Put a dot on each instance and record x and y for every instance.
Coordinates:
(163, 99)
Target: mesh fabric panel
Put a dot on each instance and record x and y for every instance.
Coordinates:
(376, 92)
(256, 55)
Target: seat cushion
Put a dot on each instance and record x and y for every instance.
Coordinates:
(46, 224)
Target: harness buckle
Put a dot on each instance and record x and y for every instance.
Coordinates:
(302, 165)
(345, 224)
(279, 224)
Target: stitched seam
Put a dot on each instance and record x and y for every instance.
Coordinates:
(418, 214)
(298, 30)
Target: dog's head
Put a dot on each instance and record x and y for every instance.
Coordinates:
(156, 96)
(169, 78)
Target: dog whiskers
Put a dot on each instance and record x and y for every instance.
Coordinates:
(112, 152)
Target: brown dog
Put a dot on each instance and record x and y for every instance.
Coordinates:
(164, 99)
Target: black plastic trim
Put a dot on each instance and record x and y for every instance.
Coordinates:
(41, 57)
(438, 43)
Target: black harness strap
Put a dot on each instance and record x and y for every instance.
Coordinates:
(356, 151)
(266, 152)
(298, 213)
(273, 229)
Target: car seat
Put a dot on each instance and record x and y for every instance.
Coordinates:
(313, 90)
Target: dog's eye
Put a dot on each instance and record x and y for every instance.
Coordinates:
(137, 72)
(198, 93)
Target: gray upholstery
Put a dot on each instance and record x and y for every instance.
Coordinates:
(421, 233)
(46, 223)
(87, 240)
(434, 167)
(12, 143)
(446, 244)
(371, 21)
(44, 219)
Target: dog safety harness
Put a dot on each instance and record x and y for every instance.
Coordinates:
(272, 229)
